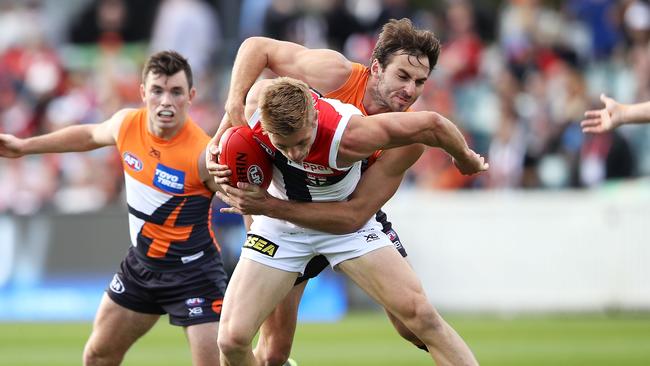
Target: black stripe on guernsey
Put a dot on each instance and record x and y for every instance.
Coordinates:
(294, 180)
(193, 212)
(297, 181)
(199, 240)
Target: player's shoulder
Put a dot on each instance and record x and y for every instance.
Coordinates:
(195, 129)
(119, 122)
(121, 114)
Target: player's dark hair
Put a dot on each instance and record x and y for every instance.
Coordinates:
(167, 63)
(400, 36)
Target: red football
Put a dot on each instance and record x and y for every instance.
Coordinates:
(245, 157)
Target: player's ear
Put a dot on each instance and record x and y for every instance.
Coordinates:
(142, 93)
(192, 94)
(314, 121)
(375, 67)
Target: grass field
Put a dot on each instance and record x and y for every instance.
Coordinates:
(367, 339)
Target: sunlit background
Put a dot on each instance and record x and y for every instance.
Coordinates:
(559, 224)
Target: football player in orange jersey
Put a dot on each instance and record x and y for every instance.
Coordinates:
(173, 265)
(401, 63)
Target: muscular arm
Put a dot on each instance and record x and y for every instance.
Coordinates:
(377, 186)
(69, 139)
(364, 135)
(323, 69)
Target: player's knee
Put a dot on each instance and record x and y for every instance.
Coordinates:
(418, 315)
(233, 342)
(94, 355)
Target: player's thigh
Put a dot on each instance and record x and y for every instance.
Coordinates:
(202, 339)
(386, 277)
(279, 327)
(253, 292)
(117, 328)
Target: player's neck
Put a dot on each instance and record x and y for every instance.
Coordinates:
(164, 133)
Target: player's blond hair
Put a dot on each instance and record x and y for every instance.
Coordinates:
(286, 106)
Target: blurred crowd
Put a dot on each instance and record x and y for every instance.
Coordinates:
(516, 76)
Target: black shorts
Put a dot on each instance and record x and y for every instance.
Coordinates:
(190, 296)
(318, 264)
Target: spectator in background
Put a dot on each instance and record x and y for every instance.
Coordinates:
(461, 56)
(127, 21)
(507, 150)
(176, 20)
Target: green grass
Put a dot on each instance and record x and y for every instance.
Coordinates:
(368, 339)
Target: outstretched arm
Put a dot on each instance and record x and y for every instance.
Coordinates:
(613, 115)
(68, 139)
(364, 135)
(377, 186)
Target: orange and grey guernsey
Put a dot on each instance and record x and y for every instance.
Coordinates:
(169, 206)
(354, 89)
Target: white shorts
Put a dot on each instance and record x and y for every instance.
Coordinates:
(288, 247)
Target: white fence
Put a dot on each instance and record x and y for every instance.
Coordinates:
(530, 251)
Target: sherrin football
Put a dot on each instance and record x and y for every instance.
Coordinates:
(245, 157)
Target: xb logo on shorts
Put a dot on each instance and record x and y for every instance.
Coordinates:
(194, 306)
(371, 237)
(197, 311)
(259, 244)
(116, 285)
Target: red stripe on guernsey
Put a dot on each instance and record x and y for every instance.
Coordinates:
(169, 231)
(328, 121)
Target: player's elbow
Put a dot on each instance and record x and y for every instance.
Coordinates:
(435, 126)
(255, 44)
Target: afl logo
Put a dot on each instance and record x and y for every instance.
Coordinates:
(132, 161)
(116, 285)
(255, 175)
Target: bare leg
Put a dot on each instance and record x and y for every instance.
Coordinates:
(114, 331)
(203, 343)
(387, 278)
(277, 331)
(405, 332)
(253, 293)
(402, 330)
